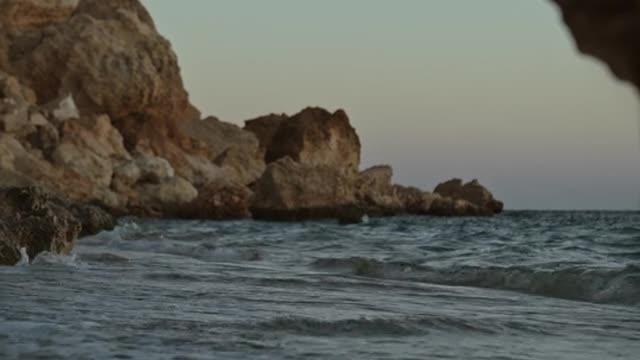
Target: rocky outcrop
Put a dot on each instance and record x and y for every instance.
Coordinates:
(107, 54)
(607, 30)
(458, 198)
(33, 222)
(312, 173)
(292, 191)
(314, 137)
(92, 106)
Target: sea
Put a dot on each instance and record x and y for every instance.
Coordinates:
(522, 285)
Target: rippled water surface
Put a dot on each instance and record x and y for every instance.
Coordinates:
(524, 285)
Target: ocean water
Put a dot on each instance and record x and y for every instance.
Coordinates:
(523, 285)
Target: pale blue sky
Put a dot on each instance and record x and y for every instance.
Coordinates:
(488, 89)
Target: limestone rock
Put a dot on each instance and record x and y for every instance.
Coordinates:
(289, 191)
(107, 53)
(89, 148)
(125, 175)
(265, 128)
(35, 12)
(38, 221)
(11, 88)
(229, 147)
(444, 206)
(319, 138)
(218, 201)
(159, 199)
(63, 109)
(154, 169)
(376, 193)
(472, 192)
(14, 116)
(415, 201)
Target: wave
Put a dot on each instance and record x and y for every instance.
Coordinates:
(580, 283)
(392, 326)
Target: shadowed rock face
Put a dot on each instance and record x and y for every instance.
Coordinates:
(265, 128)
(608, 30)
(39, 222)
(314, 136)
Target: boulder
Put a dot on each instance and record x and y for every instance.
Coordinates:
(219, 200)
(36, 221)
(11, 88)
(107, 53)
(89, 147)
(153, 169)
(235, 151)
(293, 191)
(472, 193)
(162, 199)
(317, 137)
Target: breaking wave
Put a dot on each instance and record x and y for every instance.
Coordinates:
(598, 285)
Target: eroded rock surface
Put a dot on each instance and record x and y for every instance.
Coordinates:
(291, 191)
(376, 193)
(314, 137)
(38, 222)
(458, 198)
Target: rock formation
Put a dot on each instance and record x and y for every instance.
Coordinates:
(457, 198)
(292, 191)
(91, 93)
(314, 136)
(37, 222)
(93, 110)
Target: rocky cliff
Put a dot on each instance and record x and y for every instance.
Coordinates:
(93, 110)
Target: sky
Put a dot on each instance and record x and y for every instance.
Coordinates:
(491, 89)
